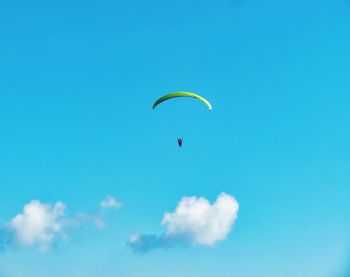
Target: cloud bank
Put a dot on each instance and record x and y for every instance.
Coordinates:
(194, 222)
(41, 224)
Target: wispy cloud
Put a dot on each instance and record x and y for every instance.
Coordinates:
(194, 222)
(145, 243)
(5, 239)
(110, 203)
(41, 224)
(83, 218)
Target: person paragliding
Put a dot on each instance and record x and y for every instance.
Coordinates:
(181, 94)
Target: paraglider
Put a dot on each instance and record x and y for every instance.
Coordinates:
(181, 94)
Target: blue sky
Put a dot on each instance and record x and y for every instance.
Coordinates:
(77, 83)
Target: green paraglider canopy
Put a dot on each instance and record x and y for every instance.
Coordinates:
(181, 94)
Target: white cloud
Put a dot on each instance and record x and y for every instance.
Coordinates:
(110, 202)
(195, 221)
(38, 224)
(201, 222)
(42, 224)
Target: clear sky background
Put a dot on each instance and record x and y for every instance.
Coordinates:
(77, 83)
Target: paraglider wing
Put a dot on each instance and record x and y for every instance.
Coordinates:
(181, 94)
